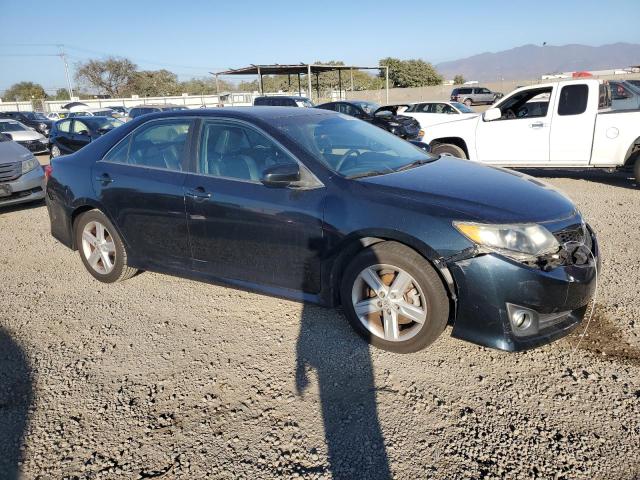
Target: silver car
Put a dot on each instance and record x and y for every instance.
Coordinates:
(29, 138)
(21, 177)
(474, 95)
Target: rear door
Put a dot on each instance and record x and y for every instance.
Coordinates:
(63, 137)
(573, 124)
(242, 230)
(140, 183)
(79, 136)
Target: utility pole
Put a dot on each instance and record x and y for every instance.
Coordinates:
(63, 56)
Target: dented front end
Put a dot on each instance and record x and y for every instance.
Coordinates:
(517, 305)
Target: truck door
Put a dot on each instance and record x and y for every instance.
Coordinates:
(521, 135)
(573, 124)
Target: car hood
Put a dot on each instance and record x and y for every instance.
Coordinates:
(26, 135)
(476, 191)
(11, 152)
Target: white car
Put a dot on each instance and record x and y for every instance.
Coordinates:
(92, 112)
(29, 138)
(432, 113)
(561, 124)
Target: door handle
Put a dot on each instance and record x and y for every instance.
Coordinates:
(198, 192)
(104, 178)
(536, 125)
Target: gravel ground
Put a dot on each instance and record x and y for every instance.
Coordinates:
(164, 377)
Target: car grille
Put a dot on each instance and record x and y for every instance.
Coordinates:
(33, 145)
(10, 171)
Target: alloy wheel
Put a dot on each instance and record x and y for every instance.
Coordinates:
(55, 151)
(98, 247)
(389, 302)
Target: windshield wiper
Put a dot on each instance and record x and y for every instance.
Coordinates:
(416, 163)
(372, 173)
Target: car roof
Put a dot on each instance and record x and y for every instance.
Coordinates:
(265, 113)
(157, 105)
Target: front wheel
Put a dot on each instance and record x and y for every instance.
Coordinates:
(394, 298)
(55, 151)
(468, 102)
(636, 170)
(448, 149)
(101, 248)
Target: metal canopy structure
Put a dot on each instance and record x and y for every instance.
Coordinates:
(307, 69)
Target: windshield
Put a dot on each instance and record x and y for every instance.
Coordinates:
(462, 107)
(350, 147)
(105, 123)
(12, 127)
(368, 107)
(304, 102)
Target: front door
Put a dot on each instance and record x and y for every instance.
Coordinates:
(521, 135)
(242, 230)
(140, 183)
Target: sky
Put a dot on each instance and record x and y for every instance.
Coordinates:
(194, 37)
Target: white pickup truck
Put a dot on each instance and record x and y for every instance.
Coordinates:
(555, 125)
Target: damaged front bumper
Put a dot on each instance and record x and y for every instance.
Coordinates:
(508, 305)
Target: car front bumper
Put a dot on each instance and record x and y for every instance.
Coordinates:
(490, 287)
(26, 188)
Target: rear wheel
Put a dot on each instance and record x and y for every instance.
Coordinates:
(55, 151)
(468, 102)
(394, 298)
(636, 170)
(101, 248)
(448, 149)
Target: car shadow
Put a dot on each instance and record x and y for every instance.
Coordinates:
(22, 206)
(342, 364)
(618, 178)
(15, 399)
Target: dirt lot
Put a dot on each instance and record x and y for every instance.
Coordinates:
(164, 377)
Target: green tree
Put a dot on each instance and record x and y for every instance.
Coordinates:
(152, 83)
(458, 80)
(24, 91)
(110, 76)
(61, 94)
(410, 73)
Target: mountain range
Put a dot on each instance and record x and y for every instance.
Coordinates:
(531, 61)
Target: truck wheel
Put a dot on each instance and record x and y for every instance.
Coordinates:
(468, 102)
(448, 149)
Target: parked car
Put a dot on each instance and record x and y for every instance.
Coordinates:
(35, 120)
(92, 112)
(55, 116)
(432, 113)
(384, 117)
(146, 109)
(474, 95)
(624, 95)
(27, 137)
(316, 206)
(282, 101)
(71, 134)
(21, 177)
(561, 124)
(119, 109)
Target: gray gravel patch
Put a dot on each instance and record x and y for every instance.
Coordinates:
(160, 377)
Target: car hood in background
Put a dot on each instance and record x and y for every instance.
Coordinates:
(11, 152)
(477, 191)
(26, 135)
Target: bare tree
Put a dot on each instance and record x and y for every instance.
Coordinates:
(109, 76)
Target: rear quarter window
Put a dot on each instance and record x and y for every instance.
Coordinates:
(573, 99)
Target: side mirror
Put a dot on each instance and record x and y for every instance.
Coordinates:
(281, 175)
(492, 114)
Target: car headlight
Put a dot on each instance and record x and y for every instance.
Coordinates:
(43, 126)
(29, 164)
(517, 241)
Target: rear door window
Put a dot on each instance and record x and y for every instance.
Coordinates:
(65, 126)
(573, 99)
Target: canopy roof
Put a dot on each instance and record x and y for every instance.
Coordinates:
(302, 68)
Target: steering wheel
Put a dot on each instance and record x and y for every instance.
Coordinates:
(351, 152)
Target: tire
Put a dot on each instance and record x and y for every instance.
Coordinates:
(468, 102)
(636, 170)
(448, 149)
(55, 151)
(111, 265)
(422, 295)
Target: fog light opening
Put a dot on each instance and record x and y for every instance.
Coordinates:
(521, 319)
